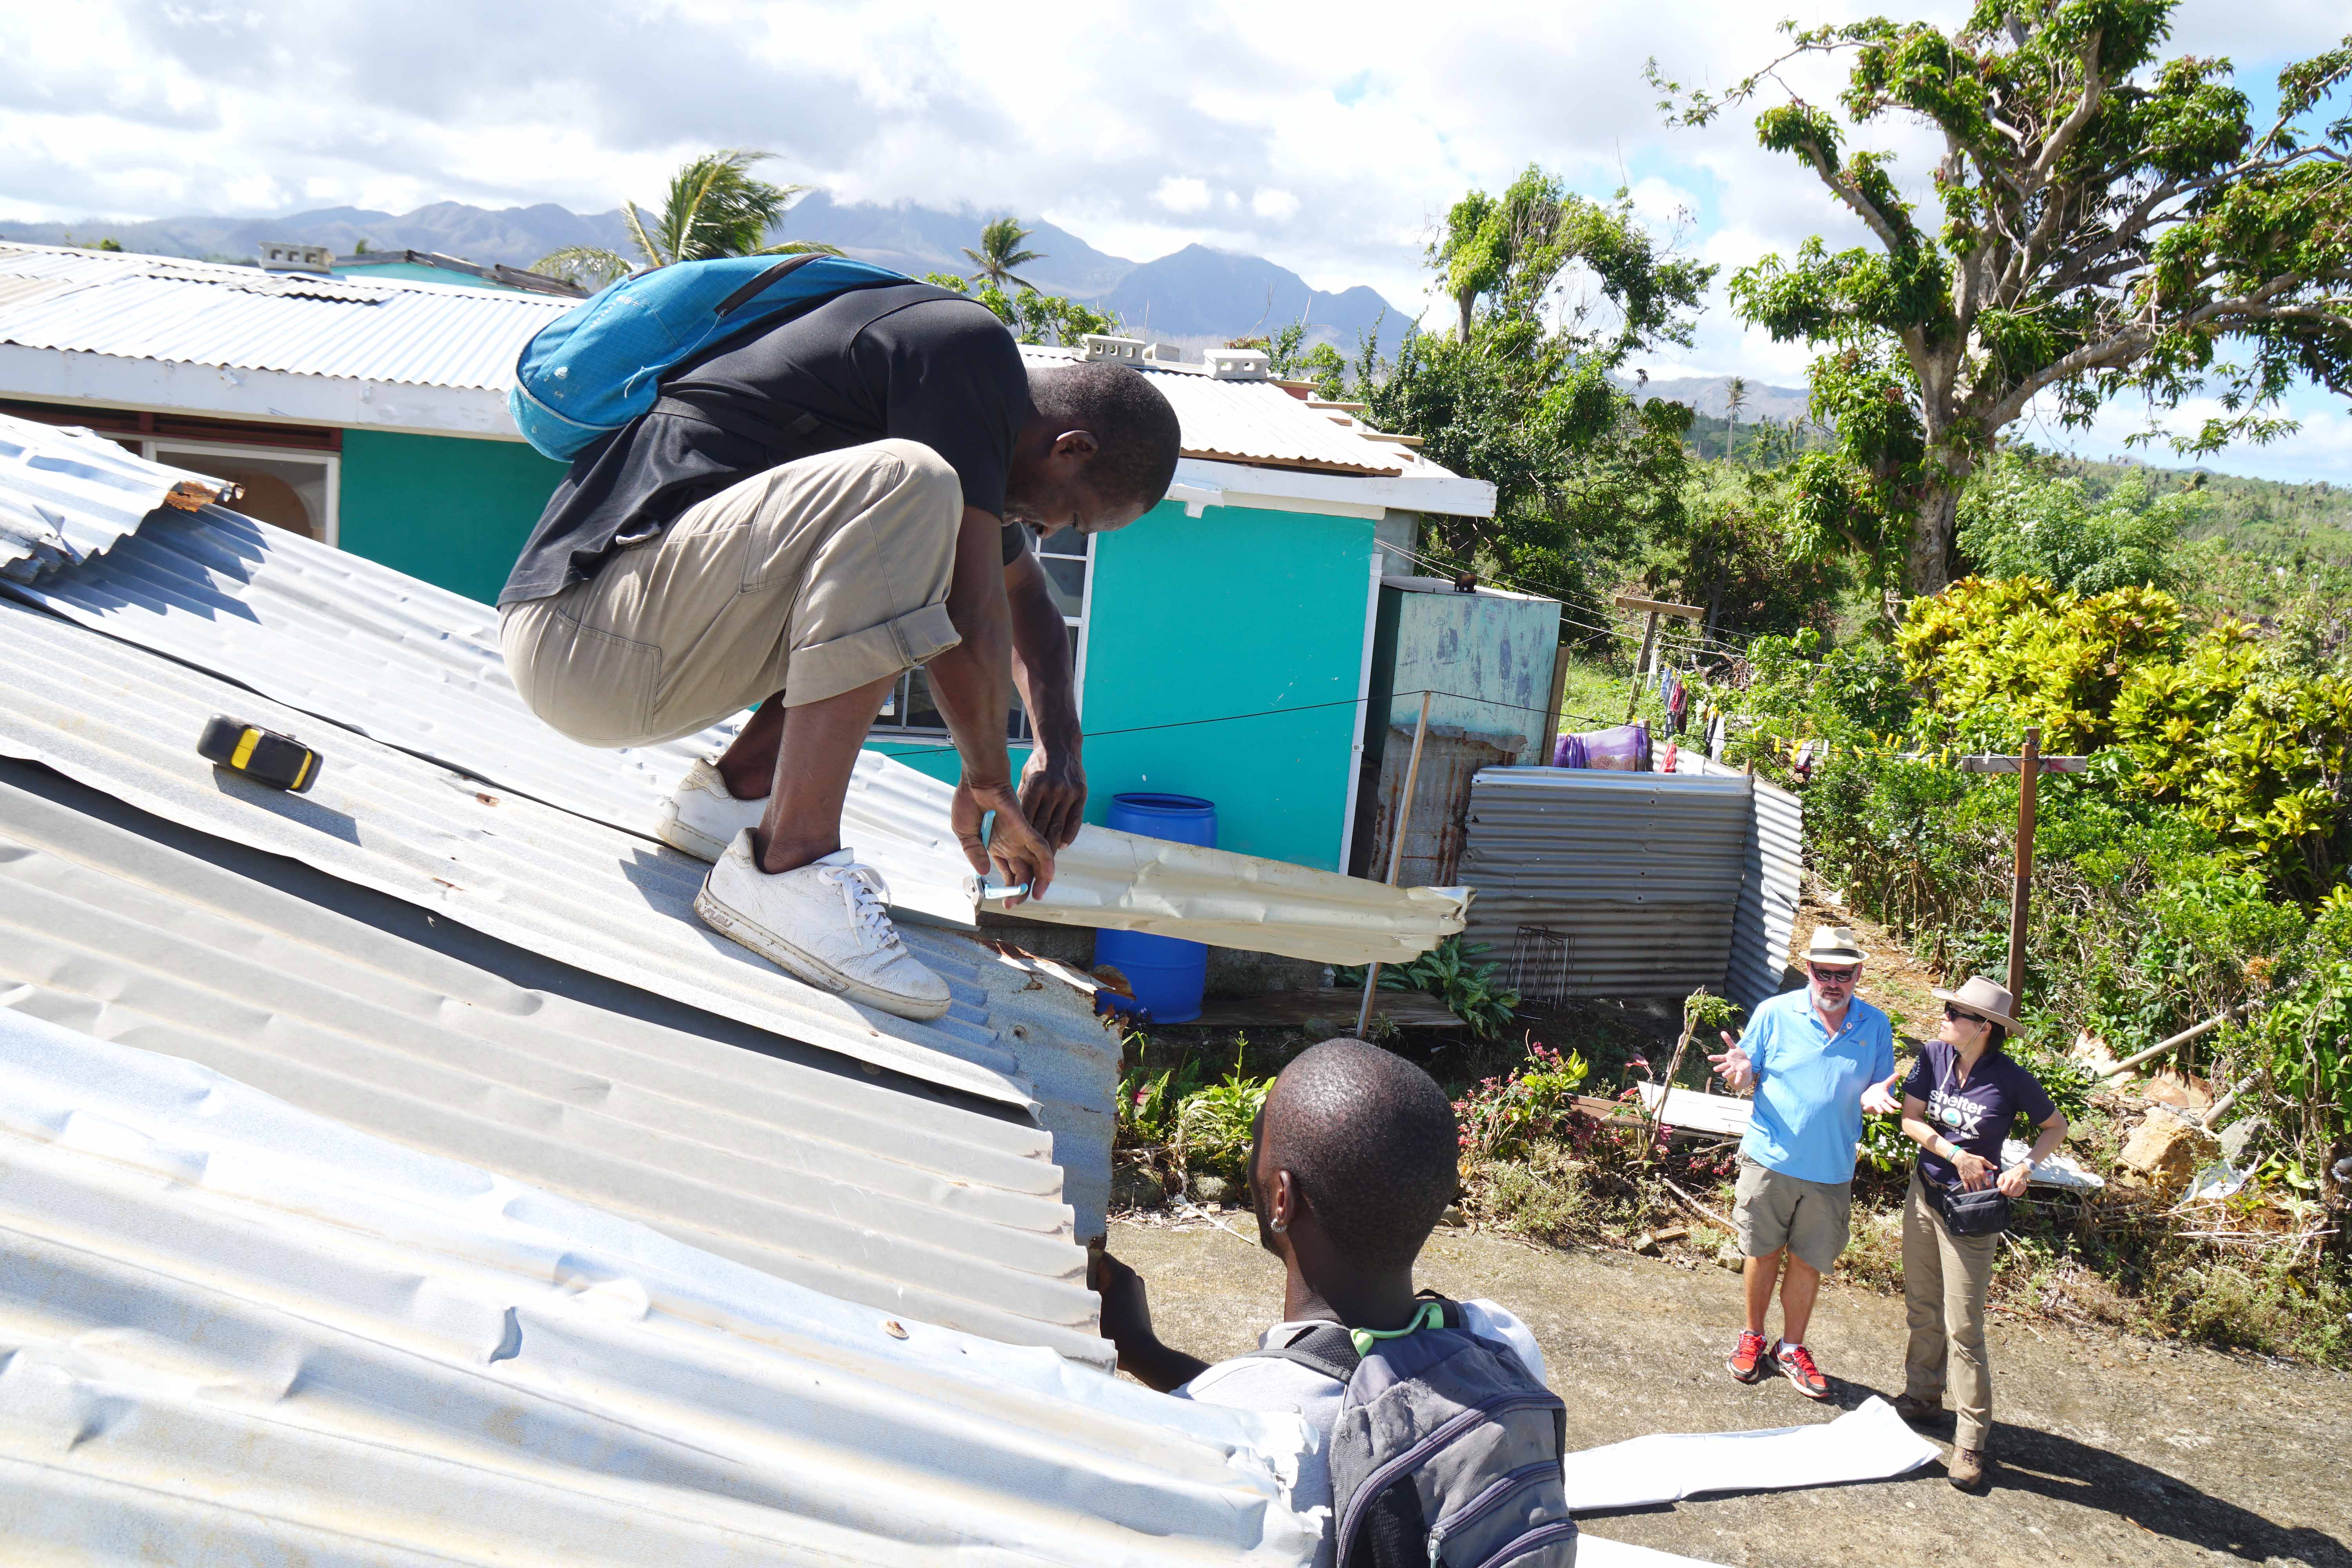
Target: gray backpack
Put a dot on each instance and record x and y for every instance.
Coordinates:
(1446, 1453)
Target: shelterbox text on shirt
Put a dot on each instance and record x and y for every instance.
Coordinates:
(1809, 1082)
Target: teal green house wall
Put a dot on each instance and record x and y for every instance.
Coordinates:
(1236, 612)
(451, 511)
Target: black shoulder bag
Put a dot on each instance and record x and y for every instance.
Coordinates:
(1984, 1212)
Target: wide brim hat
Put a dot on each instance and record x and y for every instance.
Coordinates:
(1834, 944)
(1981, 996)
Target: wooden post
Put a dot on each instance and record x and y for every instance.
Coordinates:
(1641, 660)
(1652, 610)
(1396, 853)
(2029, 773)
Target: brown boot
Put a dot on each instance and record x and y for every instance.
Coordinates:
(1918, 1412)
(1966, 1469)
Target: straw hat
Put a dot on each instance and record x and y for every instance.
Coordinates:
(1834, 944)
(1981, 996)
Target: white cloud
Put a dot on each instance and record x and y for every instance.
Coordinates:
(1185, 194)
(1330, 147)
(1278, 206)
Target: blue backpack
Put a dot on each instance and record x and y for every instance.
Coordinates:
(594, 369)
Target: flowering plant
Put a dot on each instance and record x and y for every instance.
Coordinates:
(1535, 1100)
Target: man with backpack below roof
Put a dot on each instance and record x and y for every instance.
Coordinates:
(1818, 1058)
(1440, 1443)
(790, 516)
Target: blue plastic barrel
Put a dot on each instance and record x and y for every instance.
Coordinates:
(1167, 974)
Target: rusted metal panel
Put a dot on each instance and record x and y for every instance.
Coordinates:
(1434, 837)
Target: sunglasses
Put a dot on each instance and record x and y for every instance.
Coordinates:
(1961, 1016)
(1834, 976)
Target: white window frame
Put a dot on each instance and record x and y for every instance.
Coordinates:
(332, 461)
(894, 704)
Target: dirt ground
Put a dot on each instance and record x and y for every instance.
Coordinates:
(2108, 1450)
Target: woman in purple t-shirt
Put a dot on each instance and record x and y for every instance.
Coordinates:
(1962, 1097)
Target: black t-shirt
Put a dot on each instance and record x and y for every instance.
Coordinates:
(908, 359)
(1976, 1115)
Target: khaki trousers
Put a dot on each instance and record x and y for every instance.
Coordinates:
(1945, 1279)
(812, 579)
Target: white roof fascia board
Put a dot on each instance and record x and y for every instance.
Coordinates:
(115, 381)
(1332, 495)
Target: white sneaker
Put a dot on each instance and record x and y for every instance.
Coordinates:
(700, 818)
(827, 923)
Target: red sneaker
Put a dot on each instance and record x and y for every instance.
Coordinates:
(1796, 1365)
(1747, 1358)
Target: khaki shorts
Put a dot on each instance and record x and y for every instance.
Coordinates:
(1811, 1219)
(811, 578)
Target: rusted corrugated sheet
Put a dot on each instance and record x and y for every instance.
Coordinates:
(1441, 808)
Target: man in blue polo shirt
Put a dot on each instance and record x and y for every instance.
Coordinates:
(1818, 1059)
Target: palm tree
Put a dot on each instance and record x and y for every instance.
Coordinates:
(1734, 398)
(1000, 252)
(714, 208)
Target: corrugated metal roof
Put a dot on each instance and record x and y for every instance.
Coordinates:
(1258, 422)
(124, 720)
(66, 495)
(235, 1331)
(1643, 872)
(335, 634)
(874, 1194)
(195, 312)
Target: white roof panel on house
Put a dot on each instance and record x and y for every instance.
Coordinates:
(1255, 422)
(149, 331)
(393, 330)
(236, 1330)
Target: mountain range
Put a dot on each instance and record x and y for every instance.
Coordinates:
(1193, 296)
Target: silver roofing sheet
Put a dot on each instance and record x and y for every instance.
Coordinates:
(373, 649)
(1771, 882)
(124, 720)
(1643, 872)
(66, 495)
(418, 668)
(233, 1332)
(195, 312)
(866, 1191)
(1258, 422)
(898, 818)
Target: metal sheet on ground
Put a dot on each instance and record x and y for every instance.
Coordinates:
(1867, 1444)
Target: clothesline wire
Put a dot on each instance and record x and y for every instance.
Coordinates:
(1270, 712)
(1729, 638)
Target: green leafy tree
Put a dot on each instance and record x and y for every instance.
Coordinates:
(1734, 398)
(1523, 397)
(1000, 252)
(2018, 519)
(1998, 653)
(2111, 221)
(1035, 317)
(715, 207)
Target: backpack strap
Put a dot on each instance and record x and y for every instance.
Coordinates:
(1327, 1348)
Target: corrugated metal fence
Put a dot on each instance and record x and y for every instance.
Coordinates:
(1660, 883)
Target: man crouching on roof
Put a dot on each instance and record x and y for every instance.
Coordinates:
(813, 507)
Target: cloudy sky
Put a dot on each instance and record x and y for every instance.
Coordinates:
(1326, 137)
